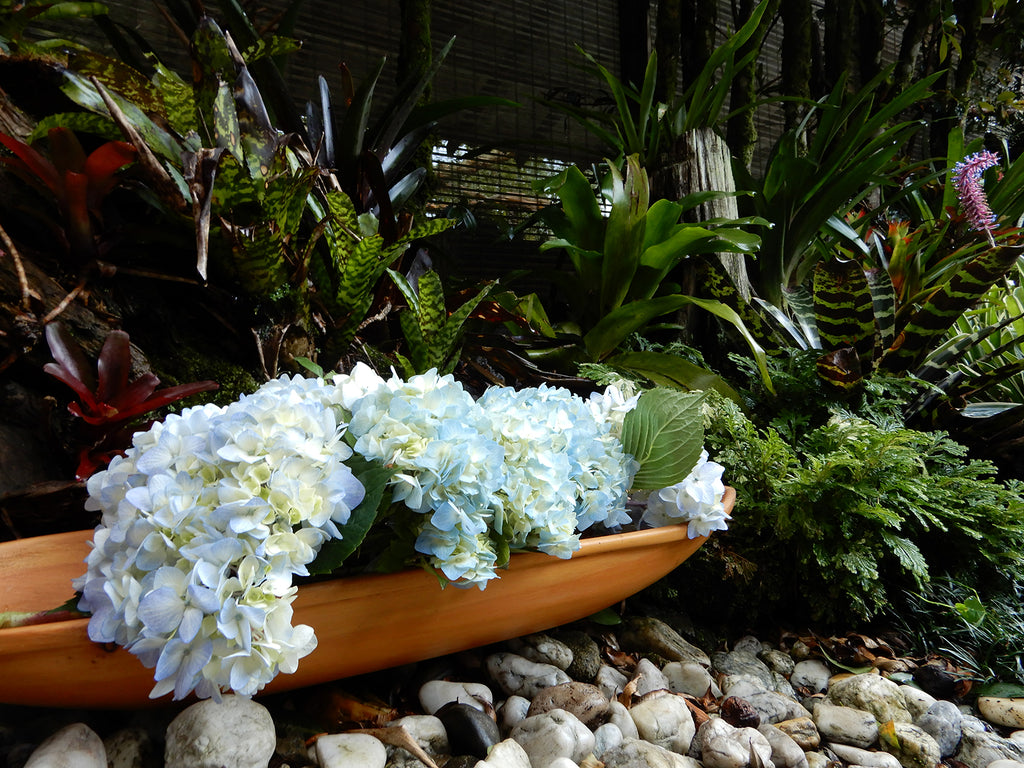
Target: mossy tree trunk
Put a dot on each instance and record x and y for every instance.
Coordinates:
(797, 56)
(741, 131)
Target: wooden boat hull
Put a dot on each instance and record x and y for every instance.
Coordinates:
(363, 623)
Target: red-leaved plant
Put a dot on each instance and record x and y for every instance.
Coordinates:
(108, 403)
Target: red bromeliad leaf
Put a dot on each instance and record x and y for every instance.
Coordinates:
(101, 166)
(113, 366)
(167, 396)
(28, 160)
(75, 370)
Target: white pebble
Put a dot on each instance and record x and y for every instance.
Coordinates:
(73, 746)
(350, 750)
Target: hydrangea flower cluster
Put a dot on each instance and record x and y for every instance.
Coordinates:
(212, 513)
(206, 520)
(697, 499)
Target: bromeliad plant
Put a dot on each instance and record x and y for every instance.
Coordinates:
(109, 404)
(212, 513)
(622, 261)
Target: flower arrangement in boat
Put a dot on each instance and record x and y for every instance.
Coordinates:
(214, 512)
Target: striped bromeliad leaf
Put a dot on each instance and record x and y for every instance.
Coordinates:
(843, 307)
(946, 304)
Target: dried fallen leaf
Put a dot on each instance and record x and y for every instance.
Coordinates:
(398, 736)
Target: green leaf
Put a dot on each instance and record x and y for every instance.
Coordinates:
(1002, 690)
(625, 232)
(606, 618)
(665, 434)
(374, 478)
(667, 370)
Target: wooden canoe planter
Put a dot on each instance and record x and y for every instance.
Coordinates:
(362, 623)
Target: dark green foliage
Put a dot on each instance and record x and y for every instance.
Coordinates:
(834, 519)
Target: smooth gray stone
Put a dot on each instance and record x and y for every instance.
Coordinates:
(73, 746)
(865, 757)
(235, 733)
(506, 754)
(619, 715)
(811, 675)
(543, 649)
(586, 654)
(635, 753)
(882, 698)
(688, 677)
(434, 694)
(846, 725)
(585, 701)
(349, 750)
(918, 702)
(649, 635)
(942, 723)
(519, 676)
(651, 678)
(913, 747)
(607, 736)
(722, 746)
(774, 707)
(979, 748)
(777, 661)
(740, 663)
(665, 721)
(470, 731)
(511, 711)
(610, 681)
(553, 734)
(786, 753)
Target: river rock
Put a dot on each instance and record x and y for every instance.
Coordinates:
(553, 734)
(722, 746)
(519, 676)
(587, 702)
(916, 700)
(846, 725)
(912, 746)
(129, 748)
(786, 753)
(979, 748)
(742, 664)
(505, 754)
(349, 750)
(543, 649)
(942, 723)
(739, 713)
(586, 654)
(749, 644)
(606, 736)
(634, 753)
(649, 678)
(867, 758)
(73, 746)
(803, 731)
(873, 693)
(237, 732)
(512, 711)
(1005, 764)
(434, 694)
(689, 678)
(1002, 711)
(650, 635)
(665, 721)
(810, 676)
(610, 681)
(470, 731)
(618, 715)
(428, 732)
(774, 707)
(777, 661)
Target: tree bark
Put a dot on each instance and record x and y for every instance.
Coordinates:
(699, 20)
(923, 14)
(700, 161)
(797, 55)
(667, 46)
(741, 131)
(839, 57)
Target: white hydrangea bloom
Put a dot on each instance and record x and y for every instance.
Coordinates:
(696, 500)
(206, 520)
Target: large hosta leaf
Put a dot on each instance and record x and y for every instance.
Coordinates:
(665, 433)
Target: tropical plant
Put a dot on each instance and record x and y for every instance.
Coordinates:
(77, 184)
(841, 515)
(641, 126)
(843, 151)
(109, 404)
(622, 261)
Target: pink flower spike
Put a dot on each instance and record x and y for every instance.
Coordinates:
(967, 182)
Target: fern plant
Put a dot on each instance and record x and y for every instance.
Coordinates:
(840, 520)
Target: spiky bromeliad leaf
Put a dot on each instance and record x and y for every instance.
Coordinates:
(945, 306)
(259, 258)
(665, 434)
(883, 299)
